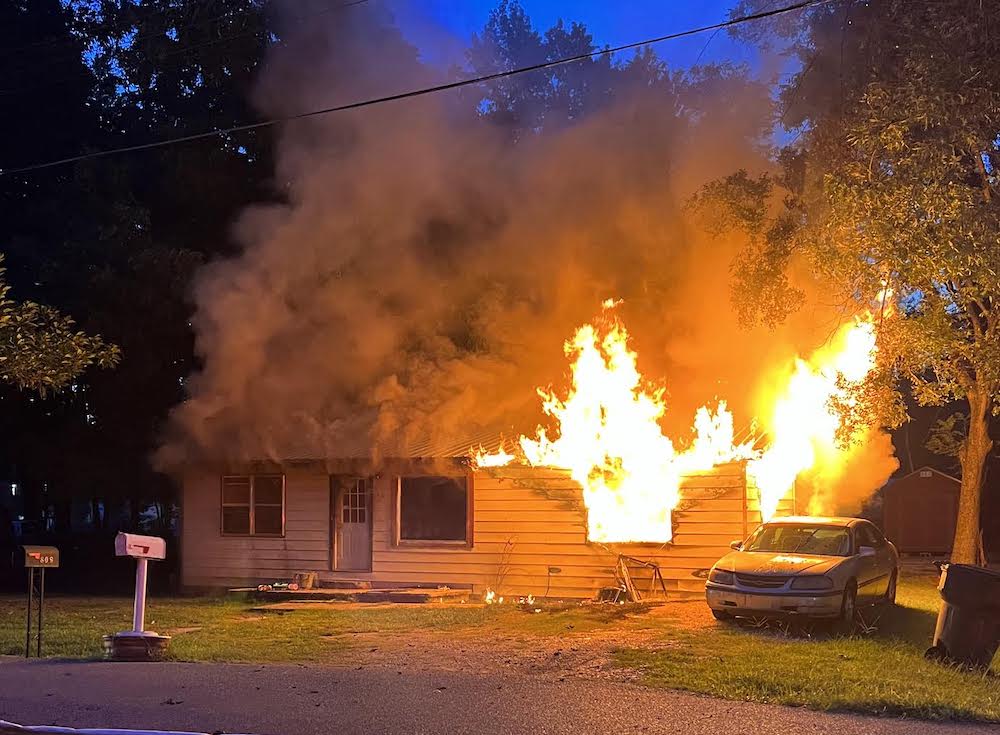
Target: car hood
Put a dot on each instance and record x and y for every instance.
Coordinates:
(765, 562)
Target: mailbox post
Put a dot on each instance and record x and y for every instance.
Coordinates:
(138, 643)
(37, 558)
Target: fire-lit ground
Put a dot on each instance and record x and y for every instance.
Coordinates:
(676, 645)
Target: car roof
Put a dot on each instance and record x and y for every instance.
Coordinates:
(814, 520)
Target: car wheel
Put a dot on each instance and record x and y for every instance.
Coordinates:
(890, 591)
(847, 619)
(721, 615)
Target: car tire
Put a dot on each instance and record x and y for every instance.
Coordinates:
(721, 615)
(847, 620)
(890, 591)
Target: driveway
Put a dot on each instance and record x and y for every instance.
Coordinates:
(312, 700)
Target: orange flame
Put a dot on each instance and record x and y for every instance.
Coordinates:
(609, 435)
(803, 424)
(610, 440)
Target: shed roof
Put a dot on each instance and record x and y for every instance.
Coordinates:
(928, 468)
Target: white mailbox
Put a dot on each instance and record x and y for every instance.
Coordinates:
(140, 547)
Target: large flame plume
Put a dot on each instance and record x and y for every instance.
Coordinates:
(610, 439)
(804, 421)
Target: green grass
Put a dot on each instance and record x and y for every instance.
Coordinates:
(677, 646)
(212, 629)
(882, 672)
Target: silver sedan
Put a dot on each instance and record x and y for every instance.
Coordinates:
(805, 567)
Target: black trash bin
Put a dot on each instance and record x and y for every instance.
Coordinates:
(968, 624)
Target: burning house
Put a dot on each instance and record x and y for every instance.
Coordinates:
(411, 287)
(513, 530)
(554, 514)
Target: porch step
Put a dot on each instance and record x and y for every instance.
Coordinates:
(397, 595)
(344, 584)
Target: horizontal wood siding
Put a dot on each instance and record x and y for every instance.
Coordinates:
(210, 559)
(531, 537)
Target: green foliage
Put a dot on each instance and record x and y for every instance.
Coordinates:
(947, 434)
(898, 189)
(894, 184)
(40, 349)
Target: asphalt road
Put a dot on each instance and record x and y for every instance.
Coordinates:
(301, 700)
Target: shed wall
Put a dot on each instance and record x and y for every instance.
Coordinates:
(919, 513)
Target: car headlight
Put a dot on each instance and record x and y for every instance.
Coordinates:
(720, 576)
(812, 582)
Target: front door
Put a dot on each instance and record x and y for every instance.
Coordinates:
(352, 523)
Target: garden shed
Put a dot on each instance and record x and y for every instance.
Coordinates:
(919, 511)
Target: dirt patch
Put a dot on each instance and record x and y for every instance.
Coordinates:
(551, 655)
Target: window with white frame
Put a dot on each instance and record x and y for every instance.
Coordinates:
(433, 510)
(253, 505)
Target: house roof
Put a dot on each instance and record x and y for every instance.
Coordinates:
(399, 446)
(453, 447)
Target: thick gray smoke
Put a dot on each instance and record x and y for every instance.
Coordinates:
(428, 265)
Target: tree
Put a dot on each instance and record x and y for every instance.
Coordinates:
(116, 240)
(894, 184)
(40, 349)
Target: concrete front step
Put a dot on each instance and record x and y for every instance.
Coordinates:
(335, 583)
(401, 595)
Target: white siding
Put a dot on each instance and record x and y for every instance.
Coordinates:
(210, 559)
(526, 521)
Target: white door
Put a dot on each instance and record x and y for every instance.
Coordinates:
(352, 548)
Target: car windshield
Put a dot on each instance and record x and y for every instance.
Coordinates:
(801, 539)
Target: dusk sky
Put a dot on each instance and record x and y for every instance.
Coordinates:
(442, 27)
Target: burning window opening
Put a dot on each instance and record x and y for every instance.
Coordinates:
(608, 432)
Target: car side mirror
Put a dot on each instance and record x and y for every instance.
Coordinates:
(866, 551)
(735, 545)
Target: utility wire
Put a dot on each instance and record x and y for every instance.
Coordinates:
(416, 92)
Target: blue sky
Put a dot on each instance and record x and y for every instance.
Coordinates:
(441, 28)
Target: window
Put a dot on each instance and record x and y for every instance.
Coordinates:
(354, 505)
(253, 505)
(867, 535)
(787, 538)
(434, 510)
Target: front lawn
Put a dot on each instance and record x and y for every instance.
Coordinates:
(881, 672)
(677, 645)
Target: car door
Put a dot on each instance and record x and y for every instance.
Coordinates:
(868, 566)
(885, 560)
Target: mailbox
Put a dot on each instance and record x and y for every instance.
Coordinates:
(36, 560)
(138, 643)
(41, 557)
(140, 547)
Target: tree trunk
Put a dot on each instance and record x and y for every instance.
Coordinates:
(973, 455)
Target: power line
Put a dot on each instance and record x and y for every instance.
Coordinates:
(417, 92)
